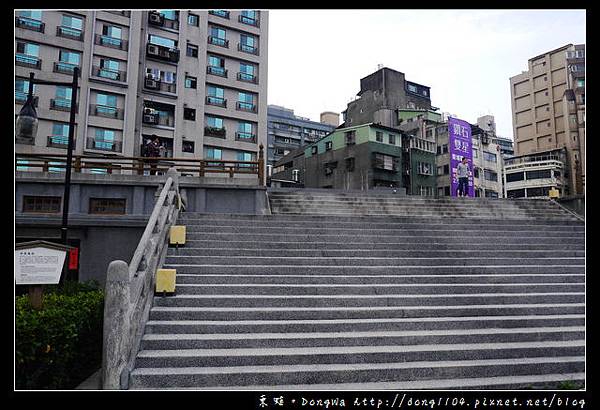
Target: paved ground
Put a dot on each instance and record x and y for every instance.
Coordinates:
(91, 383)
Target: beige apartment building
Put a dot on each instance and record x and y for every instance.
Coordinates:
(548, 107)
(197, 79)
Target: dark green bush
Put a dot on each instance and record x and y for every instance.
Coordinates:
(60, 345)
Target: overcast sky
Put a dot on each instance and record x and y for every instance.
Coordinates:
(317, 57)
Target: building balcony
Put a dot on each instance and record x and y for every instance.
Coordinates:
(21, 98)
(150, 118)
(219, 13)
(61, 105)
(214, 132)
(245, 48)
(244, 106)
(158, 85)
(106, 111)
(25, 60)
(29, 24)
(65, 68)
(110, 42)
(248, 20)
(125, 13)
(68, 32)
(218, 101)
(245, 136)
(157, 19)
(162, 53)
(58, 141)
(114, 75)
(217, 41)
(220, 71)
(249, 78)
(104, 145)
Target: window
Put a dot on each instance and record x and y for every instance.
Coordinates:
(350, 163)
(104, 139)
(392, 139)
(580, 82)
(31, 14)
(412, 88)
(425, 168)
(193, 20)
(445, 149)
(475, 154)
(247, 72)
(538, 174)
(220, 13)
(169, 14)
(60, 134)
(383, 161)
(106, 104)
(218, 37)
(162, 41)
(69, 57)
(190, 82)
(215, 95)
(245, 156)
(187, 146)
(350, 137)
(556, 174)
(249, 17)
(214, 122)
(539, 191)
(491, 194)
(488, 156)
(191, 50)
(489, 175)
(246, 102)
(27, 54)
(22, 89)
(111, 36)
(216, 66)
(245, 131)
(213, 153)
(31, 20)
(439, 150)
(109, 69)
(447, 191)
(42, 204)
(189, 114)
(107, 206)
(446, 169)
(248, 44)
(328, 145)
(314, 149)
(62, 100)
(72, 22)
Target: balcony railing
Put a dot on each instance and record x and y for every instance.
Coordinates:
(158, 85)
(61, 104)
(219, 101)
(248, 20)
(157, 19)
(21, 97)
(220, 71)
(214, 132)
(110, 42)
(58, 141)
(244, 106)
(25, 60)
(104, 145)
(126, 13)
(250, 78)
(217, 41)
(245, 136)
(106, 111)
(65, 68)
(156, 119)
(245, 48)
(162, 52)
(68, 32)
(29, 24)
(114, 75)
(219, 13)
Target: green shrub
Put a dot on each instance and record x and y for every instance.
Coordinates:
(60, 345)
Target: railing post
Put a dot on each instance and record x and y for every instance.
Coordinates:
(45, 166)
(116, 340)
(231, 171)
(261, 165)
(202, 166)
(140, 167)
(78, 163)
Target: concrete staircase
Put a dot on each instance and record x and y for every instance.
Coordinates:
(354, 292)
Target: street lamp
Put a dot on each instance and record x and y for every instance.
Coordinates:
(26, 128)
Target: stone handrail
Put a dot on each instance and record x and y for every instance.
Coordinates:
(129, 289)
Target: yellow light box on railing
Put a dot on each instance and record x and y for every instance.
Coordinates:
(165, 280)
(177, 235)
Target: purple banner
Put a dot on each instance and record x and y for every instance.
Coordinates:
(459, 146)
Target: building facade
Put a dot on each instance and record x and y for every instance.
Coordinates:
(287, 132)
(548, 107)
(196, 79)
(534, 175)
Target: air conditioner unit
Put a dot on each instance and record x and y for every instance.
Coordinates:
(153, 50)
(148, 110)
(151, 83)
(174, 55)
(155, 18)
(150, 118)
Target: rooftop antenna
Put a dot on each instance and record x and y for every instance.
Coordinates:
(379, 66)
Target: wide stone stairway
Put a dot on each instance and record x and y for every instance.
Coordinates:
(354, 291)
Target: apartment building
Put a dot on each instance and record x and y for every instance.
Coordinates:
(534, 175)
(287, 131)
(548, 107)
(196, 79)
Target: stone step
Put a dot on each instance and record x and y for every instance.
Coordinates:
(277, 218)
(358, 338)
(310, 253)
(515, 268)
(407, 198)
(202, 288)
(473, 238)
(456, 281)
(409, 206)
(369, 261)
(352, 244)
(372, 300)
(439, 323)
(351, 373)
(371, 312)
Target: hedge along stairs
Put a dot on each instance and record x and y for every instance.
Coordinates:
(356, 291)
